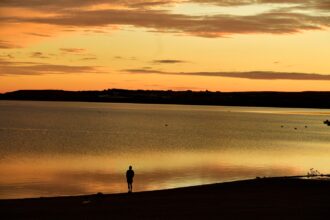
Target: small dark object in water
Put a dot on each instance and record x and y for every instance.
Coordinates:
(306, 126)
(295, 128)
(166, 125)
(282, 126)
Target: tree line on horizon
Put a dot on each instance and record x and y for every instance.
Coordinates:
(265, 99)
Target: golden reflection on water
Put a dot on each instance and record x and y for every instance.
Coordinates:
(36, 176)
(85, 148)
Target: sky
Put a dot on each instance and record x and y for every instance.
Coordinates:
(216, 45)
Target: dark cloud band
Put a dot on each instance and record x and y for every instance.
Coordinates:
(30, 68)
(258, 75)
(273, 22)
(169, 61)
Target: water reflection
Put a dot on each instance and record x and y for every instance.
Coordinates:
(72, 175)
(66, 182)
(65, 148)
(44, 175)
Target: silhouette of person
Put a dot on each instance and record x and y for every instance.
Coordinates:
(129, 177)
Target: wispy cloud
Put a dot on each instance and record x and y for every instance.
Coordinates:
(257, 75)
(168, 61)
(88, 58)
(38, 55)
(308, 4)
(62, 5)
(73, 13)
(206, 26)
(73, 50)
(37, 34)
(124, 58)
(7, 45)
(148, 71)
(32, 68)
(6, 56)
(65, 4)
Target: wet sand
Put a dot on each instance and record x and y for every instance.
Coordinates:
(269, 198)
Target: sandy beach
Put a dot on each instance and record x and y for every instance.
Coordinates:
(269, 198)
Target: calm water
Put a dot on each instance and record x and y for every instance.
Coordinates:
(63, 148)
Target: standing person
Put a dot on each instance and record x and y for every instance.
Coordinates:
(129, 177)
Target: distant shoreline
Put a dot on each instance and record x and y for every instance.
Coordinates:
(320, 100)
(262, 198)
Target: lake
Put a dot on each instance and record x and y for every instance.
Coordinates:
(73, 148)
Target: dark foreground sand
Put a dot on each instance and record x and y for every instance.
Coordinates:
(271, 198)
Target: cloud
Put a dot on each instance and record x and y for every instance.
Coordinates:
(38, 55)
(38, 35)
(322, 5)
(257, 75)
(88, 58)
(62, 5)
(73, 50)
(308, 4)
(7, 45)
(6, 56)
(65, 4)
(169, 61)
(32, 68)
(79, 52)
(73, 13)
(124, 58)
(205, 26)
(149, 71)
(25, 22)
(118, 57)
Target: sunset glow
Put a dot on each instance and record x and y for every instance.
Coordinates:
(217, 45)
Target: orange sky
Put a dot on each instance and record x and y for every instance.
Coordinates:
(219, 45)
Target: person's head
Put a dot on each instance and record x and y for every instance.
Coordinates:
(130, 167)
